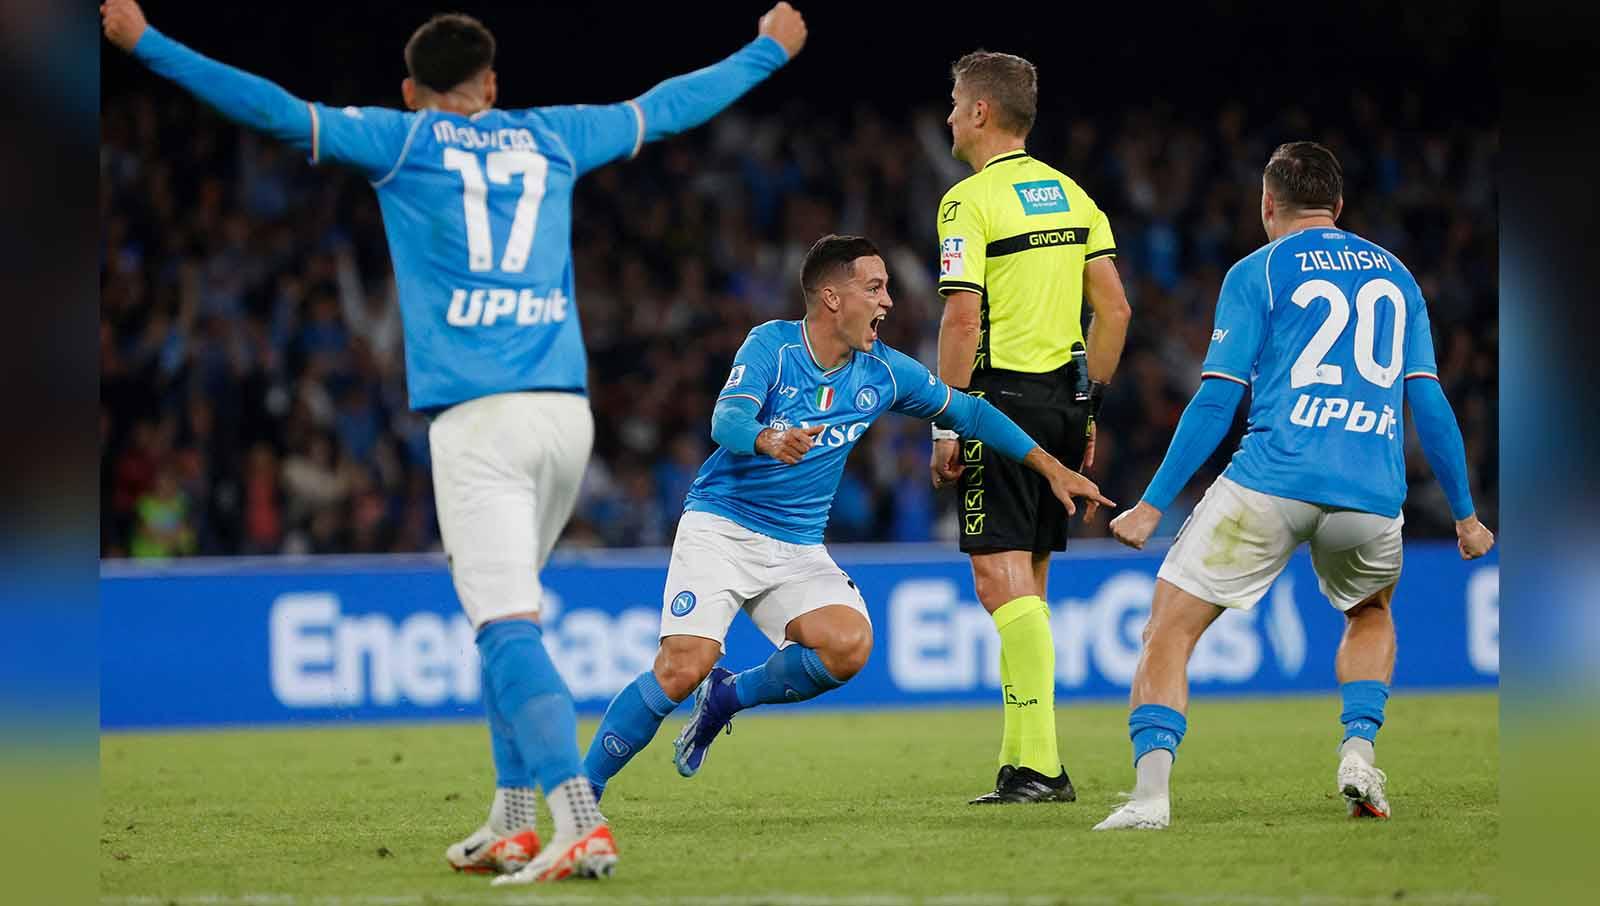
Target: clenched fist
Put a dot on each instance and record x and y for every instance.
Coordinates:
(787, 446)
(786, 26)
(124, 22)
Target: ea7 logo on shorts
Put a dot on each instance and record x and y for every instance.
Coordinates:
(1042, 196)
(683, 603)
(866, 399)
(734, 377)
(951, 252)
(615, 745)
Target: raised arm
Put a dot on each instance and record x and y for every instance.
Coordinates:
(686, 101)
(595, 135)
(244, 98)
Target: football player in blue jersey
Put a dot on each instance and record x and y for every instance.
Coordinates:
(799, 397)
(1330, 334)
(476, 205)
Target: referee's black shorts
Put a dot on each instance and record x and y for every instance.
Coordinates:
(1004, 504)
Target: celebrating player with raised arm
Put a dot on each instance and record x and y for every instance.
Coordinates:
(799, 397)
(476, 204)
(1330, 333)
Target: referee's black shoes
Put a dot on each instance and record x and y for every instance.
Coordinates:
(1014, 784)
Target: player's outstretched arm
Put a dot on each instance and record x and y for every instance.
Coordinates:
(1447, 454)
(978, 420)
(246, 99)
(686, 101)
(1204, 423)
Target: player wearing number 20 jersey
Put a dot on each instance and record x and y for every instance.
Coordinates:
(1330, 334)
(1325, 328)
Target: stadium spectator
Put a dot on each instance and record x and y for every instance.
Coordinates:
(250, 344)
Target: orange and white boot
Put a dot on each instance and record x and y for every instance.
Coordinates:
(1363, 788)
(594, 855)
(486, 852)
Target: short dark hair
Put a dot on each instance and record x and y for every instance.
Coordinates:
(829, 254)
(1005, 80)
(449, 49)
(1305, 175)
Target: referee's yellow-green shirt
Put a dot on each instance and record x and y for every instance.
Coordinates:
(1018, 233)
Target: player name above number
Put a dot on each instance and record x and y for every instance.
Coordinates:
(487, 307)
(448, 133)
(1343, 260)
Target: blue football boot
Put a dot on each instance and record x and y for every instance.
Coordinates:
(714, 705)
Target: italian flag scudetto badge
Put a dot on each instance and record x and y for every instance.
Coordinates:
(824, 398)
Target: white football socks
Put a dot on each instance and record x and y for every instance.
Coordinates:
(573, 807)
(1361, 747)
(1154, 774)
(514, 810)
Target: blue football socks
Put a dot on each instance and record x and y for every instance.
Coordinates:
(1154, 727)
(792, 674)
(531, 700)
(630, 723)
(1363, 708)
(509, 770)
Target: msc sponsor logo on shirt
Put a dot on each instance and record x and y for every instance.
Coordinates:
(950, 257)
(1042, 196)
(487, 307)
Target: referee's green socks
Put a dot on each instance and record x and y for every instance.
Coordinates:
(1028, 675)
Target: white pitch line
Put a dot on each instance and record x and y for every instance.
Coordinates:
(543, 897)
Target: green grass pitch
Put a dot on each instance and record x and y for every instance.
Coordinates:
(807, 807)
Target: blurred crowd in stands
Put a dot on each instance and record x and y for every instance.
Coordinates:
(251, 357)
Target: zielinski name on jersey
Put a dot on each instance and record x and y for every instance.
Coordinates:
(488, 307)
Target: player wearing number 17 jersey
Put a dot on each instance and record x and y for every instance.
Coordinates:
(476, 204)
(1330, 334)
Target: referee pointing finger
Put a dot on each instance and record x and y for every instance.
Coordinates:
(1021, 247)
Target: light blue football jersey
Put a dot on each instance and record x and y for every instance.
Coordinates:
(775, 367)
(1325, 328)
(478, 213)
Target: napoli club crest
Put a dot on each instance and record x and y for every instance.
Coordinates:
(866, 399)
(683, 603)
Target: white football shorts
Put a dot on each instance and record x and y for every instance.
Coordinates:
(719, 567)
(1237, 541)
(506, 471)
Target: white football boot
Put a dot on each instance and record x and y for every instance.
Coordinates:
(592, 856)
(486, 852)
(1362, 785)
(1139, 814)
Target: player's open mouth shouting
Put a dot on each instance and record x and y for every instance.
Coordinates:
(872, 327)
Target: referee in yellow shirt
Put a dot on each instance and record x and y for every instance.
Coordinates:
(1021, 248)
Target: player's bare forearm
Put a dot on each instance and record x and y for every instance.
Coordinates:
(1108, 326)
(958, 337)
(1065, 483)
